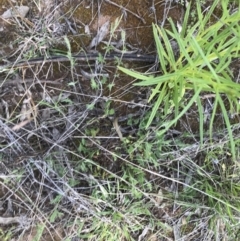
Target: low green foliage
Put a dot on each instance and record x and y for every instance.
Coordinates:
(201, 65)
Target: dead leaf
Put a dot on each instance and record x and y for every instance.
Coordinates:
(117, 128)
(159, 197)
(102, 33)
(21, 11)
(25, 113)
(21, 124)
(102, 19)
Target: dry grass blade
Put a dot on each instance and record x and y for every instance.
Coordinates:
(11, 220)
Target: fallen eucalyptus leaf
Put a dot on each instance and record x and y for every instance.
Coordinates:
(21, 11)
(103, 31)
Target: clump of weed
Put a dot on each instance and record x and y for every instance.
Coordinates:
(202, 65)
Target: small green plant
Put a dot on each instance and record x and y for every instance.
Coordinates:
(201, 65)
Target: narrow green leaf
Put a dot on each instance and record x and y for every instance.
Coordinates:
(186, 108)
(200, 114)
(135, 74)
(160, 50)
(226, 118)
(155, 109)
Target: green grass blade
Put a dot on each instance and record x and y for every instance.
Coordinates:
(200, 112)
(136, 75)
(169, 50)
(226, 119)
(160, 50)
(206, 60)
(182, 43)
(156, 105)
(210, 13)
(159, 79)
(185, 23)
(185, 109)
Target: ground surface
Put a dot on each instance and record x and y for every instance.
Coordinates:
(76, 162)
